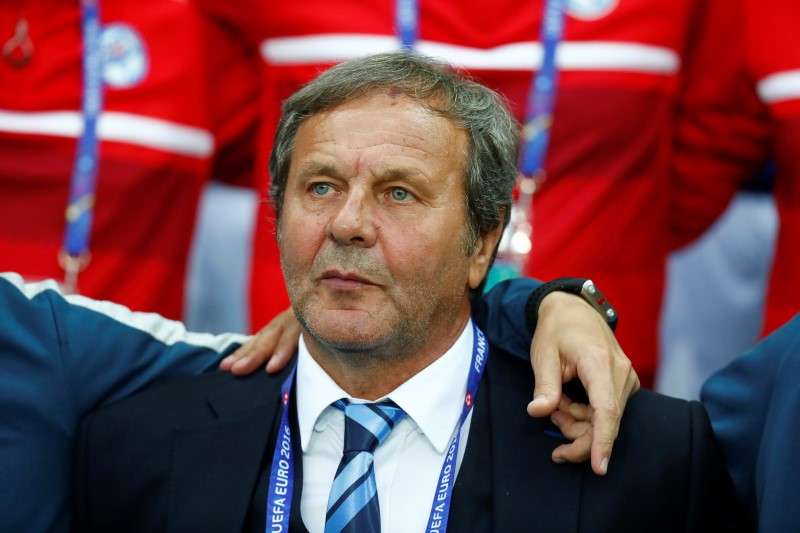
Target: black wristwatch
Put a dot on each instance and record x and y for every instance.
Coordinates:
(585, 288)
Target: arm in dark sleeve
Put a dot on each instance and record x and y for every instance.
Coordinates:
(501, 314)
(81, 520)
(119, 483)
(753, 404)
(109, 352)
(711, 496)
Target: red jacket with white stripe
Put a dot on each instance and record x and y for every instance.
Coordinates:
(776, 66)
(742, 109)
(602, 212)
(157, 143)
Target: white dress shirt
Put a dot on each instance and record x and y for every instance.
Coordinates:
(408, 463)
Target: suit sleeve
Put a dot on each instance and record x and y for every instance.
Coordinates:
(721, 130)
(118, 459)
(753, 405)
(81, 520)
(500, 313)
(711, 496)
(109, 352)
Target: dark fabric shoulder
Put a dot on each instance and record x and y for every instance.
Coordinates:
(142, 452)
(667, 460)
(510, 371)
(182, 400)
(666, 472)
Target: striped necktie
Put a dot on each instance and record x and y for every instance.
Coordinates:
(353, 501)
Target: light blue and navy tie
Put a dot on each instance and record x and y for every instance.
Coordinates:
(353, 501)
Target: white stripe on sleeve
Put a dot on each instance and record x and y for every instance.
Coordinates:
(141, 130)
(527, 55)
(162, 329)
(780, 87)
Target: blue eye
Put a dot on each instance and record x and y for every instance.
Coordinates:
(400, 195)
(321, 189)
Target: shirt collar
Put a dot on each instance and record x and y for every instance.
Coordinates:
(432, 398)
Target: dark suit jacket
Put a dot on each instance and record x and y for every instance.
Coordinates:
(186, 456)
(754, 405)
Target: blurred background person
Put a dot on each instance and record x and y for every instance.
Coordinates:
(740, 115)
(106, 114)
(659, 117)
(602, 208)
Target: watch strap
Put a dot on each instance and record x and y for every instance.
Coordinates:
(583, 287)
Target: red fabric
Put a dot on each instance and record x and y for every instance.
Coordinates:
(721, 135)
(774, 48)
(603, 209)
(233, 68)
(726, 132)
(146, 196)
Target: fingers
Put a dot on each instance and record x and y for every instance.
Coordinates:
(569, 426)
(574, 452)
(286, 346)
(597, 377)
(547, 369)
(241, 352)
(277, 340)
(260, 350)
(580, 432)
(632, 383)
(583, 345)
(579, 411)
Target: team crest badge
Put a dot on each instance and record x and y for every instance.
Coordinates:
(590, 9)
(124, 56)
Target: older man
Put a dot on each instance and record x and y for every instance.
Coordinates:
(392, 183)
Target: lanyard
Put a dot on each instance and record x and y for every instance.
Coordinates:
(281, 478)
(74, 254)
(541, 97)
(517, 238)
(407, 23)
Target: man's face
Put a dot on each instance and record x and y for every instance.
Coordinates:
(373, 226)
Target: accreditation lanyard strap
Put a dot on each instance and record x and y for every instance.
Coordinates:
(407, 23)
(84, 172)
(281, 477)
(541, 96)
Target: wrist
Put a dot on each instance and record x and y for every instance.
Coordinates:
(552, 293)
(557, 300)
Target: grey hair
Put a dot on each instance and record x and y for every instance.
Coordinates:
(491, 163)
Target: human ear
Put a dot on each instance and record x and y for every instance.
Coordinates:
(481, 257)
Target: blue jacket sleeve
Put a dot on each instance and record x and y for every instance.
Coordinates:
(106, 351)
(754, 406)
(501, 315)
(60, 357)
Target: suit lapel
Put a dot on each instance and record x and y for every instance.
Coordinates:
(215, 466)
(531, 493)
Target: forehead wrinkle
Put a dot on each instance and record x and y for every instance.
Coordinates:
(420, 145)
(420, 137)
(442, 140)
(384, 172)
(331, 145)
(317, 167)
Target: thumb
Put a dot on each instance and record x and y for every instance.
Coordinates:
(547, 378)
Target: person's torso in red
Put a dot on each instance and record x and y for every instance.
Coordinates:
(155, 147)
(773, 56)
(601, 211)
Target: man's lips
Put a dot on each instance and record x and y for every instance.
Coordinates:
(338, 280)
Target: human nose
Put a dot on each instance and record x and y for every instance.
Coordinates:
(353, 222)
